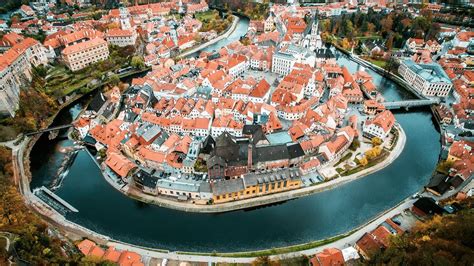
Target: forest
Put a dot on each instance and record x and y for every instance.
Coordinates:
(440, 240)
(395, 27)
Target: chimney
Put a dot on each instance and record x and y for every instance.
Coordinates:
(249, 155)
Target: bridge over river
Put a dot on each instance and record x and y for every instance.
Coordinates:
(49, 129)
(410, 103)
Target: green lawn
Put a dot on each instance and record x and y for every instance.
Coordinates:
(275, 251)
(345, 157)
(207, 16)
(379, 63)
(372, 37)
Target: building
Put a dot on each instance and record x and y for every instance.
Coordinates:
(237, 65)
(81, 55)
(253, 185)
(372, 107)
(269, 24)
(428, 79)
(460, 150)
(121, 37)
(119, 164)
(15, 69)
(284, 60)
(372, 242)
(328, 257)
(339, 143)
(379, 126)
(282, 63)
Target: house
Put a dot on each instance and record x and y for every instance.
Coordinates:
(373, 241)
(372, 107)
(15, 68)
(121, 37)
(379, 126)
(237, 65)
(120, 164)
(461, 150)
(443, 114)
(337, 145)
(427, 206)
(146, 181)
(328, 257)
(463, 38)
(26, 11)
(414, 44)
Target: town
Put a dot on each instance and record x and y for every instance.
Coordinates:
(211, 108)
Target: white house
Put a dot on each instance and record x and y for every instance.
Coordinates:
(379, 126)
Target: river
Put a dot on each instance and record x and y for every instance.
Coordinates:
(107, 211)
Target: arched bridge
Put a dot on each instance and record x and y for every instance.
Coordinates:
(48, 129)
(409, 103)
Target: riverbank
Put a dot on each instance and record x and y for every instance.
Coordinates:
(267, 199)
(398, 80)
(213, 41)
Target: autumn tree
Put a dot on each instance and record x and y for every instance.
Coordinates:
(440, 240)
(389, 42)
(363, 161)
(264, 261)
(373, 152)
(376, 141)
(387, 24)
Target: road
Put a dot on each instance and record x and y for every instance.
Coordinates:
(218, 38)
(22, 180)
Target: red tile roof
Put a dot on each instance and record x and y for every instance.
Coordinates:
(119, 164)
(329, 257)
(72, 49)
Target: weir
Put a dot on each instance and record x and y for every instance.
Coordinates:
(56, 198)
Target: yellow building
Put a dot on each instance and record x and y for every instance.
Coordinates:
(254, 185)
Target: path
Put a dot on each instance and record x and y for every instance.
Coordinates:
(211, 42)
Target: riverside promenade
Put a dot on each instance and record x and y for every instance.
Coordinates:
(198, 48)
(267, 199)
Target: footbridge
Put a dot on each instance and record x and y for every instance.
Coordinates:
(410, 103)
(48, 129)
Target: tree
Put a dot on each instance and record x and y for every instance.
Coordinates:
(346, 44)
(370, 28)
(441, 240)
(355, 144)
(387, 24)
(114, 79)
(373, 152)
(389, 42)
(264, 261)
(376, 141)
(363, 161)
(137, 62)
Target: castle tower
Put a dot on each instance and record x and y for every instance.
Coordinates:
(125, 19)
